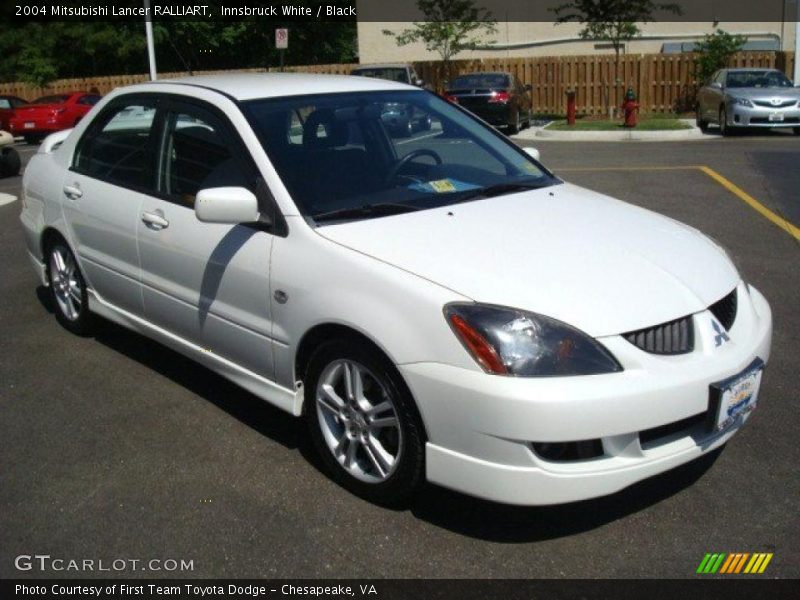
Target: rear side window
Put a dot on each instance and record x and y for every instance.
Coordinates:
(5, 103)
(90, 100)
(116, 148)
(51, 100)
(198, 154)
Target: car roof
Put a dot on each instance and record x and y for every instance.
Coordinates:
(744, 69)
(485, 73)
(250, 86)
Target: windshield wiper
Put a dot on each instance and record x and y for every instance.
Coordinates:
(498, 190)
(381, 209)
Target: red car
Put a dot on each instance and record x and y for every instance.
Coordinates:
(8, 104)
(48, 114)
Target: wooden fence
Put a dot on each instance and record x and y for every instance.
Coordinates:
(663, 82)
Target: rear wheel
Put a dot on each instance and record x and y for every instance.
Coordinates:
(363, 422)
(33, 139)
(68, 289)
(516, 125)
(797, 130)
(10, 163)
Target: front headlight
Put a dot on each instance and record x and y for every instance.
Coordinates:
(742, 102)
(508, 341)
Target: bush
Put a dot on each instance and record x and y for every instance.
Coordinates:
(714, 52)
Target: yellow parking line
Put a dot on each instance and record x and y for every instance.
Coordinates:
(753, 203)
(728, 185)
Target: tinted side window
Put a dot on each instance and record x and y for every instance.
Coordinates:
(116, 148)
(89, 100)
(198, 153)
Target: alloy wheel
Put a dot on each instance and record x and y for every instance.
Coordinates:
(358, 421)
(66, 283)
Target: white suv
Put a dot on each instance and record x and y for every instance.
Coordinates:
(439, 306)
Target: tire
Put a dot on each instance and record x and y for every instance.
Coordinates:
(10, 163)
(515, 126)
(384, 464)
(33, 139)
(701, 124)
(797, 130)
(67, 289)
(725, 129)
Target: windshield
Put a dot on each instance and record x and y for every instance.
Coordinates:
(390, 73)
(757, 79)
(404, 150)
(480, 80)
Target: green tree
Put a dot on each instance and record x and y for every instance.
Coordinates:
(714, 52)
(450, 27)
(612, 21)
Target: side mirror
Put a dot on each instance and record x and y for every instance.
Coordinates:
(716, 85)
(419, 83)
(231, 205)
(528, 87)
(533, 153)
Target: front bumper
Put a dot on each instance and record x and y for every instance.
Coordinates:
(481, 428)
(760, 116)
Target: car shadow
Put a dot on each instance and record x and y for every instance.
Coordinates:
(227, 396)
(438, 506)
(494, 522)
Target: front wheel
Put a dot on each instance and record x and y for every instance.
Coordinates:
(797, 130)
(363, 422)
(725, 129)
(68, 290)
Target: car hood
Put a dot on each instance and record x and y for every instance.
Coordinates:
(766, 93)
(599, 264)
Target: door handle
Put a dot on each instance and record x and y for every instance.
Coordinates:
(73, 192)
(155, 220)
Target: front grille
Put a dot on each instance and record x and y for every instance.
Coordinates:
(675, 337)
(768, 104)
(725, 310)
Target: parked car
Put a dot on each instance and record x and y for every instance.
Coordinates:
(500, 99)
(9, 104)
(51, 113)
(10, 162)
(440, 307)
(739, 98)
(399, 72)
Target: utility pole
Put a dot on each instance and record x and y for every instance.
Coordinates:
(151, 49)
(797, 46)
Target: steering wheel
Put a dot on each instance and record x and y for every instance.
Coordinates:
(395, 170)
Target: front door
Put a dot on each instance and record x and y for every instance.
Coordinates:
(104, 190)
(207, 283)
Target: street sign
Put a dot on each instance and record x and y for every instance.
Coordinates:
(281, 39)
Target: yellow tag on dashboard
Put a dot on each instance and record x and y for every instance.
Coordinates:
(442, 186)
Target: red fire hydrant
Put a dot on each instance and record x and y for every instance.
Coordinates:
(571, 107)
(630, 106)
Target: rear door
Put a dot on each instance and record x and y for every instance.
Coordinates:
(110, 176)
(207, 283)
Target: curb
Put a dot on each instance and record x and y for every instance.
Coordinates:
(543, 133)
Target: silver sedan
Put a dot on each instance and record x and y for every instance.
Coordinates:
(735, 98)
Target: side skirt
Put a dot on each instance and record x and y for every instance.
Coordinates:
(289, 400)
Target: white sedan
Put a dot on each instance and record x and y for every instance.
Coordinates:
(437, 307)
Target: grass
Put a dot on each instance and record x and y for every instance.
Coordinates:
(646, 123)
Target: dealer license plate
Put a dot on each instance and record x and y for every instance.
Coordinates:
(736, 396)
(30, 125)
(776, 118)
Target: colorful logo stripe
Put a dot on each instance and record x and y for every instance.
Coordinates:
(734, 563)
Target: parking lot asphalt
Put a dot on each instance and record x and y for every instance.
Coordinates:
(115, 447)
